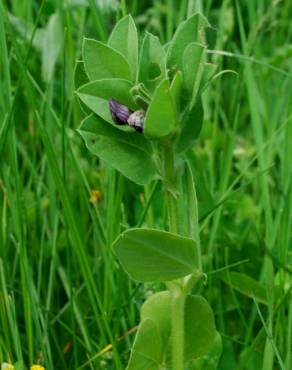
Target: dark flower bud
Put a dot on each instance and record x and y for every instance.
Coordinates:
(120, 113)
(136, 120)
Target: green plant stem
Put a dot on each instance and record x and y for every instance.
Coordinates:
(178, 303)
(170, 187)
(178, 296)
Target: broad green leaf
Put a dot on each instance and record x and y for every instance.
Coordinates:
(200, 330)
(128, 153)
(95, 95)
(147, 348)
(124, 38)
(188, 32)
(191, 67)
(161, 117)
(52, 45)
(101, 61)
(245, 285)
(152, 65)
(154, 255)
(191, 127)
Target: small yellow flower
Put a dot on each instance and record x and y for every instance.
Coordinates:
(6, 366)
(94, 196)
(37, 367)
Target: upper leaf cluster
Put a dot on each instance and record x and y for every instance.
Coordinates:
(163, 80)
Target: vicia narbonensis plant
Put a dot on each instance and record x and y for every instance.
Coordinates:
(145, 112)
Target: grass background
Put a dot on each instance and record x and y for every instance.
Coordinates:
(64, 300)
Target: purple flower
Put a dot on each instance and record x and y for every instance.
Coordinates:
(136, 120)
(120, 113)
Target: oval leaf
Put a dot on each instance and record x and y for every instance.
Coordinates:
(161, 116)
(186, 33)
(154, 255)
(102, 61)
(128, 153)
(124, 38)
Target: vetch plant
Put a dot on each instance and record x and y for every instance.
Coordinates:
(145, 112)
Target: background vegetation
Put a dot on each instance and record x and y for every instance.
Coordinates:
(64, 300)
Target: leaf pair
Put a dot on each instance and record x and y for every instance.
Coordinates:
(186, 53)
(151, 349)
(116, 59)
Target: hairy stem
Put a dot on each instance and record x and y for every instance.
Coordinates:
(178, 303)
(170, 187)
(178, 296)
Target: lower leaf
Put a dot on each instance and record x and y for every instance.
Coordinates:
(126, 152)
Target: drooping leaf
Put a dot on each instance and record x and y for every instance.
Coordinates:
(124, 38)
(52, 45)
(154, 255)
(128, 153)
(188, 32)
(191, 127)
(152, 65)
(147, 348)
(96, 94)
(161, 117)
(101, 61)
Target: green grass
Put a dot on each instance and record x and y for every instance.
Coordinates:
(63, 297)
